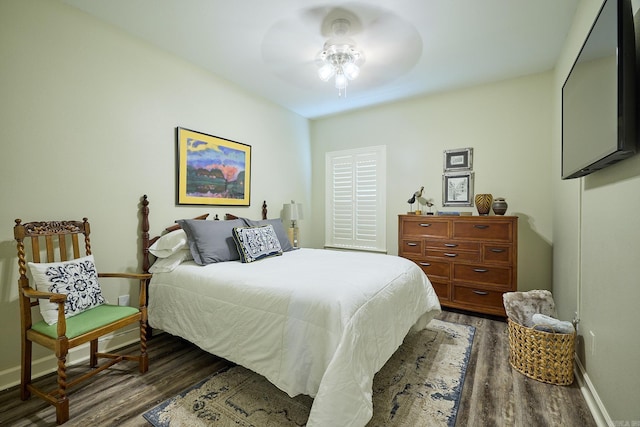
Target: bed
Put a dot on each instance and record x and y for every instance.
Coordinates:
(312, 321)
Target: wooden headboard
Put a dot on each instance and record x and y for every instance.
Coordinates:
(147, 241)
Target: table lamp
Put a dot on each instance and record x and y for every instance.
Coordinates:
(293, 212)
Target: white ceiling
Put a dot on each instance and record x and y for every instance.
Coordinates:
(412, 47)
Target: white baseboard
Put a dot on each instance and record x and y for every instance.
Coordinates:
(598, 411)
(46, 365)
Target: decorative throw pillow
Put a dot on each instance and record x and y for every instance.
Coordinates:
(211, 241)
(278, 227)
(169, 244)
(77, 279)
(256, 243)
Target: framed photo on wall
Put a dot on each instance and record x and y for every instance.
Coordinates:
(212, 170)
(457, 189)
(458, 160)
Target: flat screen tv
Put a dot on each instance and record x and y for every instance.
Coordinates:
(599, 96)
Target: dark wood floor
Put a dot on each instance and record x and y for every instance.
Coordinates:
(496, 395)
(493, 394)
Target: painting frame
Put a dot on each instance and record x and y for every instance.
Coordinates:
(211, 170)
(459, 159)
(457, 189)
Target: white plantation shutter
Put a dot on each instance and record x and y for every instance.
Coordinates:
(355, 199)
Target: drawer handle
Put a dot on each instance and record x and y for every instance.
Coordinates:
(481, 226)
(480, 270)
(497, 250)
(451, 245)
(480, 292)
(412, 244)
(450, 255)
(425, 264)
(425, 224)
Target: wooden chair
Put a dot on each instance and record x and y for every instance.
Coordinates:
(62, 240)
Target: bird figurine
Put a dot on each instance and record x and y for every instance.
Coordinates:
(417, 195)
(429, 204)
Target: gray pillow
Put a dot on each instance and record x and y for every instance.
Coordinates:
(285, 244)
(211, 241)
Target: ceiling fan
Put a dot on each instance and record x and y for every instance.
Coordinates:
(380, 44)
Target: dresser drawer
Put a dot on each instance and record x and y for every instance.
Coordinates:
(483, 230)
(453, 255)
(497, 253)
(411, 247)
(434, 269)
(442, 290)
(425, 227)
(499, 276)
(451, 245)
(478, 297)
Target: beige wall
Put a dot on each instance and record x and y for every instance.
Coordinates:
(87, 125)
(508, 124)
(596, 245)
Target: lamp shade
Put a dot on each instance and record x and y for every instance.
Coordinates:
(292, 211)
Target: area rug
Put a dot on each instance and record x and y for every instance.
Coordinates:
(420, 385)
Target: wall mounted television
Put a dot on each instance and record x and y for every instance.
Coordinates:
(599, 96)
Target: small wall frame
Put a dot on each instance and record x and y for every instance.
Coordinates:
(457, 189)
(460, 159)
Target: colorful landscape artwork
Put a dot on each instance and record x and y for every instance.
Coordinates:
(212, 170)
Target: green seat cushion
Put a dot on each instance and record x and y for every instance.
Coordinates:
(87, 321)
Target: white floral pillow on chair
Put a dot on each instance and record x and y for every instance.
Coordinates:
(78, 279)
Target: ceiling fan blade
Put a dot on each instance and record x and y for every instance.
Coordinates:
(392, 47)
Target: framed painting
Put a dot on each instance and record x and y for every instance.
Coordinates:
(457, 189)
(212, 170)
(458, 160)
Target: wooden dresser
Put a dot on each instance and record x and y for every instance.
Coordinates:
(470, 260)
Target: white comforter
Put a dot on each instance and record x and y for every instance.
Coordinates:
(312, 321)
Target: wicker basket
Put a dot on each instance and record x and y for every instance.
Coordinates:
(543, 356)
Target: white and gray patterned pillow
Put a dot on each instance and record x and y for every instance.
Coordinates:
(77, 279)
(278, 227)
(256, 243)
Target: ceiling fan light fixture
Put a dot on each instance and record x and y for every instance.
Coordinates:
(339, 57)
